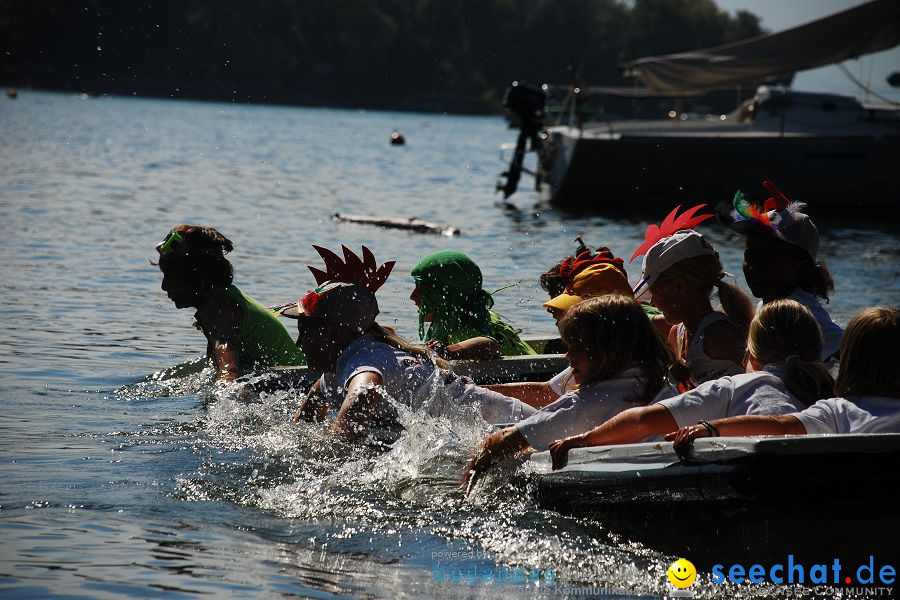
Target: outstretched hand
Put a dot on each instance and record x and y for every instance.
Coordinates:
(474, 470)
(313, 409)
(438, 347)
(683, 439)
(559, 453)
(495, 446)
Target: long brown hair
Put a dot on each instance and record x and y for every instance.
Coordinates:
(706, 272)
(818, 280)
(389, 336)
(869, 354)
(616, 334)
(786, 331)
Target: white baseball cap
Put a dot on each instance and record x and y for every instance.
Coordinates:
(668, 251)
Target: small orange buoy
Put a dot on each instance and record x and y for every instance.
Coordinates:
(397, 138)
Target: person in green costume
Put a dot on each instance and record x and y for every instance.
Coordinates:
(241, 334)
(448, 293)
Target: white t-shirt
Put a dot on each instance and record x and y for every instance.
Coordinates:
(419, 384)
(831, 331)
(855, 414)
(562, 382)
(581, 410)
(759, 393)
(703, 368)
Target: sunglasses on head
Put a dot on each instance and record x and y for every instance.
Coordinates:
(173, 243)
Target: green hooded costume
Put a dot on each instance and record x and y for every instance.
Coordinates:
(450, 284)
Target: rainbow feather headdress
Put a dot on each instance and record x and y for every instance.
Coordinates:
(776, 208)
(779, 217)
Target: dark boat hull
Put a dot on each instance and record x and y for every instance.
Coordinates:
(814, 497)
(844, 173)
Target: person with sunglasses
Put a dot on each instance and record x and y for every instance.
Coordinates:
(242, 335)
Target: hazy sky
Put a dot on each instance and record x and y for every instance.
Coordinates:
(777, 15)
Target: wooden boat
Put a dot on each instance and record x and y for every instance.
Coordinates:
(739, 500)
(535, 367)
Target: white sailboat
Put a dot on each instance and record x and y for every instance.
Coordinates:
(825, 149)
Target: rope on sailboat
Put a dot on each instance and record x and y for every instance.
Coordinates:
(864, 87)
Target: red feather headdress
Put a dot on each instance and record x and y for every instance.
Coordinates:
(670, 225)
(573, 265)
(352, 268)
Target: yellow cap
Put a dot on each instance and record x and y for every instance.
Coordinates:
(595, 280)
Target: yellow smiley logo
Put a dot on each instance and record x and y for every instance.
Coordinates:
(682, 573)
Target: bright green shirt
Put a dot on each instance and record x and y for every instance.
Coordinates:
(261, 338)
(508, 338)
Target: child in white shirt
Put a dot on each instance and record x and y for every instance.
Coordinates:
(868, 387)
(680, 270)
(781, 257)
(784, 346)
(618, 361)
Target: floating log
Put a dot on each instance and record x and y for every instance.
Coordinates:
(411, 224)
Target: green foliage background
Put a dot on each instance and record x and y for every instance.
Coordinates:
(441, 55)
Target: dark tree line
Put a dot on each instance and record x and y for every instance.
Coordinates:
(454, 55)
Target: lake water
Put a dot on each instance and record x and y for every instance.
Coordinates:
(116, 482)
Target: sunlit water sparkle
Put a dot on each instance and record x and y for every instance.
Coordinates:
(123, 477)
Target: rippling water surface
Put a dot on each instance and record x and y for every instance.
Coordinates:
(123, 477)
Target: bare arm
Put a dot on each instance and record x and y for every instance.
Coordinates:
(626, 427)
(359, 404)
(479, 348)
(495, 447)
(222, 321)
(314, 407)
(722, 340)
(532, 393)
(737, 426)
(227, 361)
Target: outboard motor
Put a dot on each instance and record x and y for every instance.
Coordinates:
(526, 102)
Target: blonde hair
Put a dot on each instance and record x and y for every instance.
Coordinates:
(786, 331)
(870, 355)
(616, 334)
(706, 272)
(389, 336)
